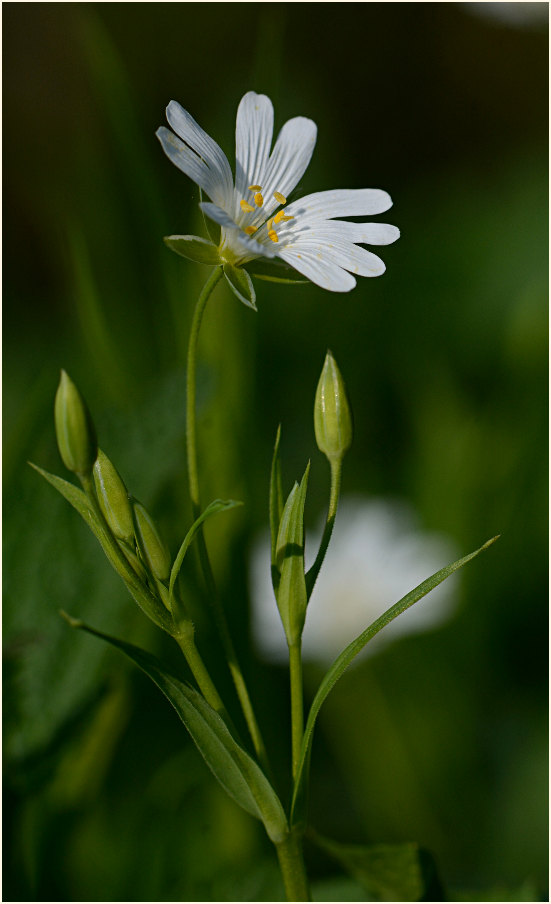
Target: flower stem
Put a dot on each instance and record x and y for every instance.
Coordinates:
(312, 575)
(186, 642)
(193, 478)
(297, 717)
(291, 864)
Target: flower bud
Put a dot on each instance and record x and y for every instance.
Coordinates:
(291, 595)
(113, 498)
(76, 436)
(152, 548)
(332, 415)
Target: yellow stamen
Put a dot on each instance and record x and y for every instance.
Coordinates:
(250, 230)
(255, 188)
(258, 199)
(248, 208)
(272, 234)
(286, 217)
(269, 224)
(280, 198)
(279, 216)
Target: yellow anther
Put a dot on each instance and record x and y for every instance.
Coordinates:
(286, 217)
(272, 234)
(279, 216)
(250, 230)
(258, 199)
(255, 188)
(246, 206)
(281, 199)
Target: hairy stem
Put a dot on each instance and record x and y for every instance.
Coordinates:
(291, 864)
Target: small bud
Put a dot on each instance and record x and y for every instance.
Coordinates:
(76, 436)
(291, 595)
(113, 498)
(332, 415)
(152, 548)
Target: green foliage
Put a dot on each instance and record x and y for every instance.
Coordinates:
(241, 777)
(241, 285)
(298, 809)
(194, 248)
(388, 872)
(289, 561)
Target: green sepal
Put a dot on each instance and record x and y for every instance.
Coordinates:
(141, 594)
(289, 559)
(341, 663)
(276, 506)
(389, 872)
(236, 771)
(194, 248)
(274, 271)
(241, 284)
(219, 505)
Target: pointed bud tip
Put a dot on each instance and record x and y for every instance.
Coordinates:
(332, 415)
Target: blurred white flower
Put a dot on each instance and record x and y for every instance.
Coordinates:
(516, 15)
(377, 555)
(307, 234)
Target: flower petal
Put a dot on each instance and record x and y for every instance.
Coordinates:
(215, 213)
(289, 159)
(189, 131)
(190, 164)
(253, 139)
(341, 202)
(336, 250)
(365, 233)
(323, 273)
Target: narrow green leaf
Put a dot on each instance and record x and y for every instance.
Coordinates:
(236, 771)
(275, 271)
(298, 810)
(194, 248)
(389, 872)
(280, 279)
(276, 505)
(219, 505)
(143, 597)
(241, 285)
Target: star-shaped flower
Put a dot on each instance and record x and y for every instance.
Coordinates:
(256, 221)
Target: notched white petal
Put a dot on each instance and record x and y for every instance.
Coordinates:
(341, 202)
(322, 272)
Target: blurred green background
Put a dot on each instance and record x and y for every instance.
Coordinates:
(441, 738)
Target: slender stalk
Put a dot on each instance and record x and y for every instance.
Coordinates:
(291, 864)
(312, 575)
(297, 717)
(193, 478)
(186, 642)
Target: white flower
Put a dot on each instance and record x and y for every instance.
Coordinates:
(255, 222)
(377, 555)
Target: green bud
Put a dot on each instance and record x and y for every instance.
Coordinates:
(113, 498)
(76, 436)
(291, 592)
(152, 548)
(332, 415)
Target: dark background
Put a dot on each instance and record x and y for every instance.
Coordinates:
(441, 738)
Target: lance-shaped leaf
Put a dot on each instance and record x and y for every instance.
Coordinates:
(276, 506)
(241, 285)
(389, 872)
(194, 248)
(144, 598)
(291, 592)
(219, 505)
(298, 808)
(236, 771)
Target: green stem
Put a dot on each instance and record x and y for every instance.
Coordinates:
(312, 575)
(186, 642)
(191, 439)
(297, 717)
(291, 864)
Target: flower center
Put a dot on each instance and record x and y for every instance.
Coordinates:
(258, 199)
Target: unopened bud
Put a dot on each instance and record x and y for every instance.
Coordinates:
(332, 415)
(113, 498)
(291, 593)
(76, 436)
(152, 548)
